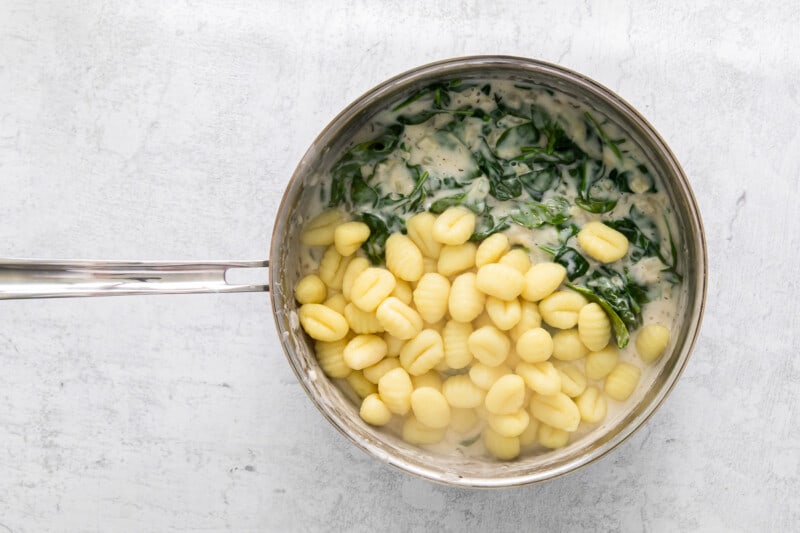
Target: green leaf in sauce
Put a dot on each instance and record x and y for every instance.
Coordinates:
(553, 211)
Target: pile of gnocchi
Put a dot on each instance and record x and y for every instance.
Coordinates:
(466, 338)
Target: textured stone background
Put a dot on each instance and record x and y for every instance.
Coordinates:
(158, 130)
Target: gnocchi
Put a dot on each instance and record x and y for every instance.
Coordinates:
(465, 302)
(501, 281)
(431, 297)
(456, 259)
(422, 353)
(454, 226)
(622, 381)
(348, 237)
(310, 290)
(371, 287)
(651, 342)
(602, 243)
(322, 323)
(403, 258)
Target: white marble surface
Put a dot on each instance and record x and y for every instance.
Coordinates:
(160, 130)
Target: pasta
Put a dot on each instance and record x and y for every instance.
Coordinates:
(542, 378)
(551, 437)
(363, 351)
(354, 269)
(310, 290)
(399, 319)
(505, 448)
(491, 249)
(428, 379)
(362, 321)
(591, 405)
(501, 281)
(422, 353)
(372, 287)
(599, 364)
(360, 385)
(602, 243)
(375, 372)
(560, 309)
(556, 410)
(651, 342)
(506, 395)
(395, 389)
(331, 358)
(485, 376)
(332, 267)
(374, 411)
(461, 392)
(431, 297)
(415, 432)
(489, 345)
(621, 382)
(594, 328)
(455, 259)
(455, 336)
(567, 345)
(535, 345)
(510, 425)
(517, 259)
(322, 323)
(430, 407)
(454, 226)
(573, 382)
(319, 231)
(349, 237)
(403, 258)
(420, 230)
(466, 301)
(505, 314)
(529, 319)
(541, 280)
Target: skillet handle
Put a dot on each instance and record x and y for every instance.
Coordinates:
(31, 278)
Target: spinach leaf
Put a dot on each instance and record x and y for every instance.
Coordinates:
(621, 293)
(612, 145)
(517, 137)
(590, 197)
(573, 261)
(439, 93)
(621, 332)
(503, 181)
(537, 182)
(553, 211)
(644, 246)
(486, 225)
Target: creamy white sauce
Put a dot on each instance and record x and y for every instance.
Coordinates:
(450, 156)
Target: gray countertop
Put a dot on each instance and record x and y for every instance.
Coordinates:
(168, 130)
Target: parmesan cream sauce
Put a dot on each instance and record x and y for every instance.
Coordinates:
(441, 159)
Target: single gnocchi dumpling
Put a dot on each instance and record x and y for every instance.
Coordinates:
(461, 392)
(403, 291)
(354, 269)
(363, 351)
(319, 231)
(398, 318)
(455, 336)
(322, 323)
(331, 358)
(594, 327)
(560, 309)
(485, 376)
(403, 258)
(518, 259)
(491, 249)
(431, 297)
(506, 395)
(454, 226)
(573, 381)
(602, 243)
(535, 345)
(420, 230)
(395, 388)
(466, 302)
(455, 259)
(501, 281)
(332, 267)
(360, 385)
(622, 381)
(430, 407)
(422, 353)
(310, 290)
(489, 345)
(372, 287)
(592, 405)
(542, 378)
(556, 410)
(374, 411)
(651, 342)
(362, 321)
(504, 448)
(541, 280)
(505, 314)
(599, 364)
(510, 425)
(567, 345)
(348, 237)
(552, 438)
